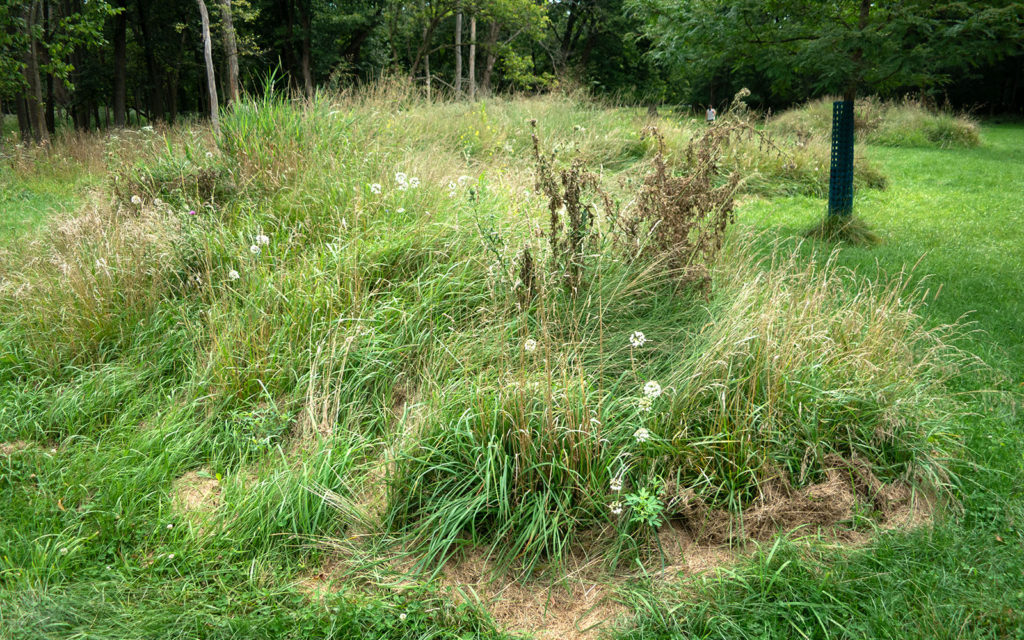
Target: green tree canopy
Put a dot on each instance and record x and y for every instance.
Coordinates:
(800, 47)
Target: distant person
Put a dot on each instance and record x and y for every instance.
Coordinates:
(710, 115)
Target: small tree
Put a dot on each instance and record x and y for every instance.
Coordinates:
(843, 47)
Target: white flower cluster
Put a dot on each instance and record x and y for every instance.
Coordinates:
(530, 345)
(405, 182)
(637, 339)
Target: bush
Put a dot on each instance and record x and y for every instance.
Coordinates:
(906, 123)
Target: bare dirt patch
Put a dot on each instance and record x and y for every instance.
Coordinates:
(197, 494)
(7, 448)
(578, 607)
(821, 508)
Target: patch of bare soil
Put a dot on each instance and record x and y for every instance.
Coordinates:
(196, 495)
(818, 508)
(7, 448)
(578, 607)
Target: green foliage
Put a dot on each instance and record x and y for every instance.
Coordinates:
(646, 507)
(804, 48)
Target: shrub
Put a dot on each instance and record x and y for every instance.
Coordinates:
(906, 123)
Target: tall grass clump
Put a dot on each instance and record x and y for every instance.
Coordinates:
(903, 123)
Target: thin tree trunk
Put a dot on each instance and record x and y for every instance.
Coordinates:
(121, 65)
(472, 58)
(492, 57)
(51, 115)
(24, 122)
(176, 77)
(458, 54)
(211, 82)
(156, 76)
(37, 113)
(426, 63)
(307, 45)
(230, 51)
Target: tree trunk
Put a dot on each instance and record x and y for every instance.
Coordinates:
(36, 106)
(230, 51)
(458, 54)
(472, 58)
(51, 115)
(156, 76)
(24, 122)
(121, 65)
(211, 82)
(307, 45)
(426, 63)
(492, 57)
(176, 77)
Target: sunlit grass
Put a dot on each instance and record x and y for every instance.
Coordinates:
(356, 371)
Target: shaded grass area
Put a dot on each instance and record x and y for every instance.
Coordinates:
(25, 205)
(954, 215)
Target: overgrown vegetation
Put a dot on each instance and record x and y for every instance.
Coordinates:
(904, 123)
(346, 337)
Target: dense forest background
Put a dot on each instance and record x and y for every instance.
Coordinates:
(100, 63)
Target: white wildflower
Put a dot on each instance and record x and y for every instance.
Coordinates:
(158, 202)
(64, 551)
(414, 182)
(170, 526)
(401, 209)
(375, 187)
(254, 250)
(615, 508)
(616, 483)
(642, 435)
(170, 556)
(403, 186)
(233, 275)
(400, 177)
(136, 200)
(645, 403)
(262, 240)
(209, 154)
(652, 389)
(530, 345)
(402, 616)
(637, 339)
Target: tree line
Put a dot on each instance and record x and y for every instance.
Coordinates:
(102, 63)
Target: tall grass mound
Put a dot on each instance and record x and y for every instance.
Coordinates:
(438, 326)
(904, 123)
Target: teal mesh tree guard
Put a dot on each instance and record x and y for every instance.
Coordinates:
(840, 180)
